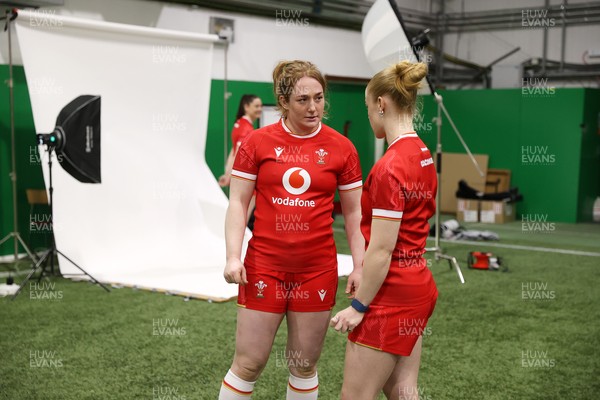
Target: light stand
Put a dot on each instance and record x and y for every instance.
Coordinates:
(436, 249)
(48, 256)
(417, 43)
(15, 235)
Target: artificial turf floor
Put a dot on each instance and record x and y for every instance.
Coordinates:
(530, 333)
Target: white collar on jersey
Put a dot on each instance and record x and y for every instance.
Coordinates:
(247, 118)
(406, 135)
(288, 130)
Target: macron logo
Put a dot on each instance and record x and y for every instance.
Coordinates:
(322, 294)
(278, 151)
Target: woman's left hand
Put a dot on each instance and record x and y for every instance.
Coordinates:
(346, 320)
(353, 282)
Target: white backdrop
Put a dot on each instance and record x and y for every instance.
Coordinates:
(156, 220)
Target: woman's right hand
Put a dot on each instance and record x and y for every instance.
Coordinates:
(235, 272)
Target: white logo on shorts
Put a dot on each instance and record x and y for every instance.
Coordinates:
(322, 294)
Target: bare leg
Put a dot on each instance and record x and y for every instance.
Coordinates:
(306, 335)
(254, 339)
(402, 383)
(366, 370)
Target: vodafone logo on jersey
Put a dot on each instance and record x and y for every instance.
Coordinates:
(296, 180)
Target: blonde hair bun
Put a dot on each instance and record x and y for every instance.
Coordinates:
(401, 82)
(409, 75)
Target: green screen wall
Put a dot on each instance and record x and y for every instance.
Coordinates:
(549, 141)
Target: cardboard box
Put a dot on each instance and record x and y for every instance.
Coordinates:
(496, 212)
(467, 210)
(497, 180)
(454, 168)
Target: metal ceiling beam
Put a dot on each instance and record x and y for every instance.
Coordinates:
(350, 14)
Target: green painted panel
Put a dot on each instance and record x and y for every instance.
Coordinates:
(28, 167)
(215, 151)
(589, 173)
(550, 128)
(537, 137)
(347, 109)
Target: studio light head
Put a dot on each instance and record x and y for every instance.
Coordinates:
(420, 41)
(55, 139)
(79, 121)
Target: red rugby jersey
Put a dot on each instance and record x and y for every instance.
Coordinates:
(241, 129)
(402, 186)
(296, 179)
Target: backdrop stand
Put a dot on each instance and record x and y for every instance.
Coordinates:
(15, 235)
(48, 256)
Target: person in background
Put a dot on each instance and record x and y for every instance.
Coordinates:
(397, 294)
(290, 269)
(249, 110)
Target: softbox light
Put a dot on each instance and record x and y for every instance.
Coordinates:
(76, 138)
(385, 39)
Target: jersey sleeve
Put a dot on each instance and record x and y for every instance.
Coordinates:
(350, 178)
(386, 194)
(236, 137)
(245, 165)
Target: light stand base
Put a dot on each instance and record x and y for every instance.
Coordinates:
(438, 255)
(20, 240)
(48, 257)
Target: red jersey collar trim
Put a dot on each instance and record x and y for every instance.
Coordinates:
(288, 130)
(247, 119)
(404, 136)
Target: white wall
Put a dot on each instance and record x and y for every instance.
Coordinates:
(259, 42)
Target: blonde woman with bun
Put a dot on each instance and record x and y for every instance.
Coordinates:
(290, 269)
(397, 294)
